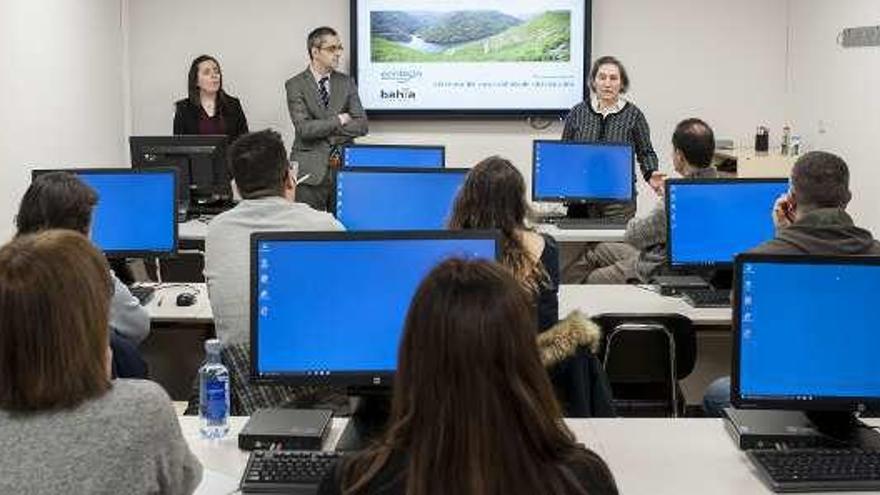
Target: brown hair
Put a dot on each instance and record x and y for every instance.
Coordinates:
(56, 200)
(55, 293)
(493, 196)
(473, 410)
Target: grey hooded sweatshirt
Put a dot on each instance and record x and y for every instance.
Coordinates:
(822, 231)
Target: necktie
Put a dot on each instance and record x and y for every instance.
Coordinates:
(323, 92)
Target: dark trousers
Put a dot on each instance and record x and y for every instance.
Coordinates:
(321, 196)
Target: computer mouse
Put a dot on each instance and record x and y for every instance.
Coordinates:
(186, 299)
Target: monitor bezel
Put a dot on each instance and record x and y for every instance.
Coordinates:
(668, 183)
(130, 253)
(435, 147)
(388, 170)
(808, 404)
(359, 378)
(582, 199)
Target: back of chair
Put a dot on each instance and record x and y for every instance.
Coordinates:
(645, 356)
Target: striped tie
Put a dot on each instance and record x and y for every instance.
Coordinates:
(323, 91)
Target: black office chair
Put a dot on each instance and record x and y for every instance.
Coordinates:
(645, 357)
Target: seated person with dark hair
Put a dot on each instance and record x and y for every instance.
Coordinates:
(810, 219)
(65, 427)
(643, 253)
(267, 184)
(59, 200)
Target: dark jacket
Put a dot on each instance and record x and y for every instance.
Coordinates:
(823, 231)
(548, 294)
(186, 118)
(568, 352)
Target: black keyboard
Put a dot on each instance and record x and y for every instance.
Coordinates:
(286, 471)
(806, 470)
(143, 293)
(567, 223)
(706, 298)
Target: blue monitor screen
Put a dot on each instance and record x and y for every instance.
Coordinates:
(808, 330)
(136, 211)
(710, 222)
(582, 171)
(387, 200)
(338, 306)
(393, 156)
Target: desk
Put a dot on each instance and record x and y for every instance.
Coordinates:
(653, 456)
(578, 235)
(163, 306)
(751, 164)
(594, 300)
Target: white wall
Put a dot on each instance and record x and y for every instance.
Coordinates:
(721, 60)
(61, 80)
(834, 100)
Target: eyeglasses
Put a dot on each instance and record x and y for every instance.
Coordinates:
(333, 48)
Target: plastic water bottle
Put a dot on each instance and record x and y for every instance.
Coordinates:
(213, 393)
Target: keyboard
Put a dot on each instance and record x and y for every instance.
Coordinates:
(706, 298)
(590, 224)
(286, 471)
(804, 470)
(143, 293)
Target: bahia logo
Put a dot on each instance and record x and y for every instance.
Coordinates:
(397, 94)
(400, 76)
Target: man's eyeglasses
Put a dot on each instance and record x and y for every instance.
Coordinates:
(333, 48)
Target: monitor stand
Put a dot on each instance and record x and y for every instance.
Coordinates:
(769, 428)
(370, 411)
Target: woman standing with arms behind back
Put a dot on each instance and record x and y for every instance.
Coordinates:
(473, 412)
(207, 109)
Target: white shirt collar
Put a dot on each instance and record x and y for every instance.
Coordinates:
(618, 106)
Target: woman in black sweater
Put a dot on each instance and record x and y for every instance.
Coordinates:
(473, 412)
(607, 117)
(208, 109)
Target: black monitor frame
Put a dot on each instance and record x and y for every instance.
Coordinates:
(357, 379)
(129, 253)
(389, 170)
(713, 181)
(439, 147)
(829, 404)
(581, 199)
(146, 152)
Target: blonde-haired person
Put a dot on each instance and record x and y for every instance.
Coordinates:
(65, 427)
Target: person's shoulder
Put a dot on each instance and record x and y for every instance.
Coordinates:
(315, 218)
(298, 78)
(140, 393)
(592, 472)
(183, 104)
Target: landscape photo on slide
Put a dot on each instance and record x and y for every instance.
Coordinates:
(470, 36)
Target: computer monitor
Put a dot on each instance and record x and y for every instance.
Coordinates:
(396, 198)
(136, 210)
(805, 333)
(329, 307)
(393, 155)
(577, 172)
(710, 221)
(204, 181)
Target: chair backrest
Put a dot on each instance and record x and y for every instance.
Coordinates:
(647, 347)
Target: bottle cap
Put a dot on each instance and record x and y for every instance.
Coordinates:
(213, 346)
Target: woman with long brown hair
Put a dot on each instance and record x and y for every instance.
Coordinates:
(494, 197)
(473, 412)
(65, 427)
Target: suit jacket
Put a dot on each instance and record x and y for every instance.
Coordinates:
(318, 128)
(186, 118)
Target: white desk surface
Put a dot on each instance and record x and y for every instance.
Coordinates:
(654, 456)
(192, 230)
(577, 235)
(593, 300)
(163, 307)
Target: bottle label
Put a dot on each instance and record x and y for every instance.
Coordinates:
(216, 392)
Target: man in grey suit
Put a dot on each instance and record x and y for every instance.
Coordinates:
(326, 113)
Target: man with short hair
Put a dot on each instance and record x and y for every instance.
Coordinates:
(267, 185)
(643, 253)
(326, 113)
(810, 219)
